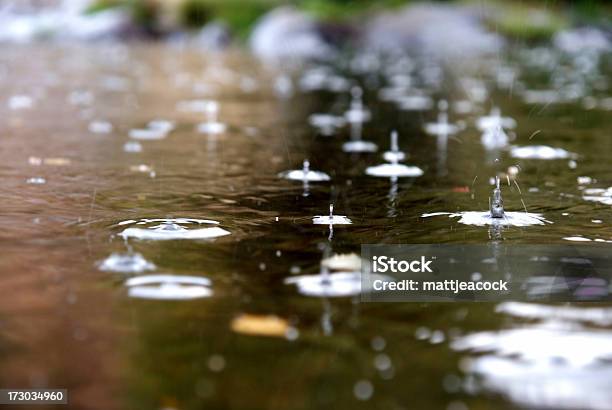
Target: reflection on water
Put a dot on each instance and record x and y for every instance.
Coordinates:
(556, 363)
(113, 136)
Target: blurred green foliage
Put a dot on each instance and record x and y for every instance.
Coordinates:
(527, 19)
(239, 15)
(342, 9)
(530, 23)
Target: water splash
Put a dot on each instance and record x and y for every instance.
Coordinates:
(331, 219)
(326, 124)
(356, 144)
(169, 287)
(540, 152)
(172, 229)
(211, 125)
(494, 120)
(126, 263)
(357, 112)
(475, 218)
(305, 174)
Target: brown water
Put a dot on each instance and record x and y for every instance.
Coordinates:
(66, 324)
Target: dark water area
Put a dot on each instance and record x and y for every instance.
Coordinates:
(66, 323)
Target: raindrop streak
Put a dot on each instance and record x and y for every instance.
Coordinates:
(497, 203)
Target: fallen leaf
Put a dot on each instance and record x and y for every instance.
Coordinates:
(260, 325)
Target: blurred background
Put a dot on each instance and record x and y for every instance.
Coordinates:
(220, 23)
(162, 115)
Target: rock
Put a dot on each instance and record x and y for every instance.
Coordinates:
(437, 30)
(286, 33)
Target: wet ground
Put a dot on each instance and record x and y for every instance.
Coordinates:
(68, 182)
